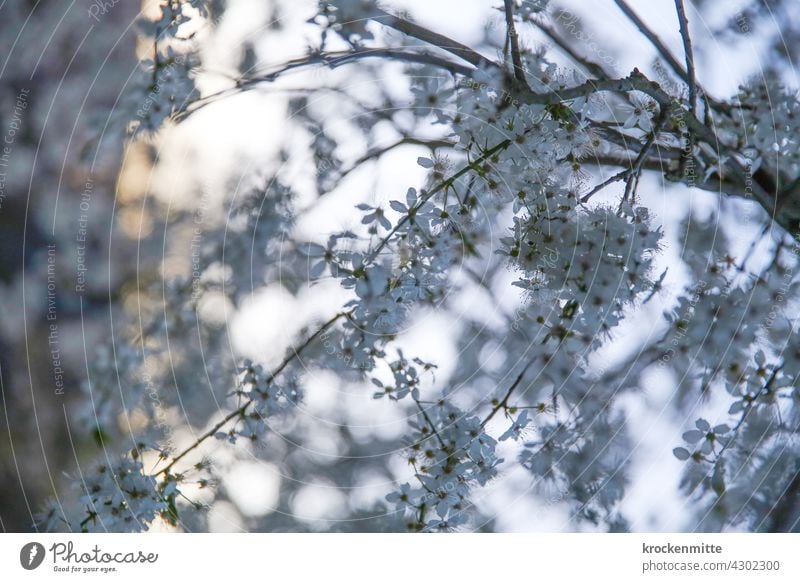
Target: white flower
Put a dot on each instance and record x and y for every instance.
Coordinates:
(375, 215)
(405, 497)
(639, 113)
(431, 93)
(516, 429)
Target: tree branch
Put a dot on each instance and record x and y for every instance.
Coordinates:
(653, 38)
(511, 31)
(691, 77)
(376, 153)
(687, 49)
(595, 69)
(294, 353)
(504, 402)
(441, 41)
(726, 157)
(636, 164)
(429, 194)
(331, 60)
(636, 81)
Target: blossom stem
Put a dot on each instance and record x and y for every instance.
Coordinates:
(377, 153)
(746, 412)
(238, 412)
(431, 193)
(504, 402)
(430, 422)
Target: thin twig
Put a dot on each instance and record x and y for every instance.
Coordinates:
(636, 81)
(637, 164)
(746, 412)
(605, 183)
(511, 30)
(294, 353)
(441, 41)
(687, 49)
(430, 422)
(330, 60)
(653, 38)
(429, 194)
(376, 153)
(504, 402)
(691, 78)
(636, 167)
(593, 68)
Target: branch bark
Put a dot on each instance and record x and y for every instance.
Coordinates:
(691, 78)
(653, 38)
(513, 38)
(441, 41)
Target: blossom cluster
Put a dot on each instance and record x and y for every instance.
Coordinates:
(165, 83)
(450, 453)
(117, 496)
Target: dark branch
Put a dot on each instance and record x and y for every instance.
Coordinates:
(653, 38)
(294, 352)
(504, 402)
(636, 167)
(511, 31)
(454, 47)
(687, 49)
(594, 69)
(332, 61)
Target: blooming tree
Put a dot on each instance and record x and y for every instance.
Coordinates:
(542, 171)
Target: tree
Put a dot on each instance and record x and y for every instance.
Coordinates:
(542, 171)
